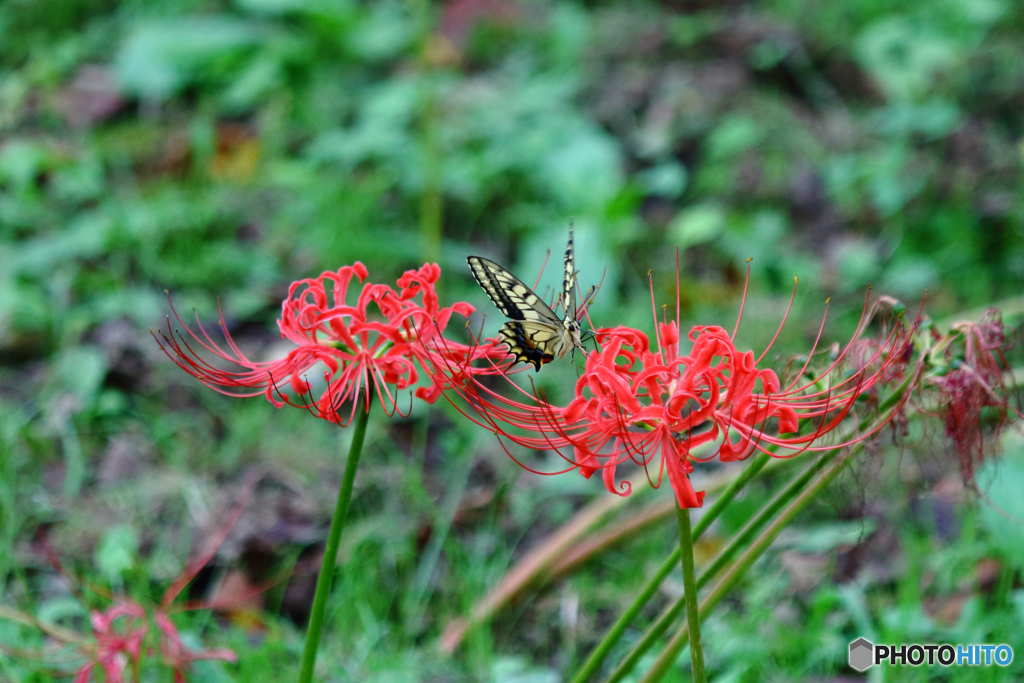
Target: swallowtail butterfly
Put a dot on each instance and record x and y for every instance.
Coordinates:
(535, 334)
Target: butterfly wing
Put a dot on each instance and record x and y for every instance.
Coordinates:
(509, 294)
(569, 282)
(533, 342)
(534, 335)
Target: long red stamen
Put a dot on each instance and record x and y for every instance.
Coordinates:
(743, 299)
(785, 316)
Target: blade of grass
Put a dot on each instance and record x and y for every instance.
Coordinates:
(534, 567)
(418, 594)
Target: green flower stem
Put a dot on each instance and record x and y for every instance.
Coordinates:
(431, 199)
(323, 582)
(668, 656)
(614, 634)
(669, 616)
(690, 590)
(838, 462)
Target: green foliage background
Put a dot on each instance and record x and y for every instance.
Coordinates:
(220, 150)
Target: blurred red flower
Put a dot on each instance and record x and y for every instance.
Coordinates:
(973, 397)
(114, 648)
(174, 654)
(359, 347)
(636, 403)
(119, 632)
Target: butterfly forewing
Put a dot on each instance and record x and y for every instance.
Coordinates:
(509, 294)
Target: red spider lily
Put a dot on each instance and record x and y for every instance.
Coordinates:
(361, 349)
(633, 402)
(115, 647)
(120, 631)
(973, 386)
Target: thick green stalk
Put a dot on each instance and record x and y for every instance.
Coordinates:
(614, 634)
(323, 582)
(690, 593)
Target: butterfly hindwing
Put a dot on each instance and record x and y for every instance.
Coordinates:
(509, 294)
(533, 342)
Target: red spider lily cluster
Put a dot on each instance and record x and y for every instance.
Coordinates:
(119, 632)
(362, 349)
(633, 402)
(638, 403)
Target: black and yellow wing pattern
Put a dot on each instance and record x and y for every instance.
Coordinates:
(534, 334)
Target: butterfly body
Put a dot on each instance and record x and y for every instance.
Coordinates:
(534, 334)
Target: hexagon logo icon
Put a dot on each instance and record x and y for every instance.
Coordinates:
(861, 654)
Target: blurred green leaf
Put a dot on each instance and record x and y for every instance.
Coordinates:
(21, 161)
(858, 264)
(84, 238)
(273, 7)
(733, 136)
(585, 172)
(698, 224)
(54, 610)
(515, 670)
(1003, 512)
(759, 236)
(159, 58)
(827, 537)
(81, 370)
(569, 32)
(667, 179)
(24, 309)
(909, 277)
(905, 58)
(934, 118)
(387, 30)
(116, 552)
